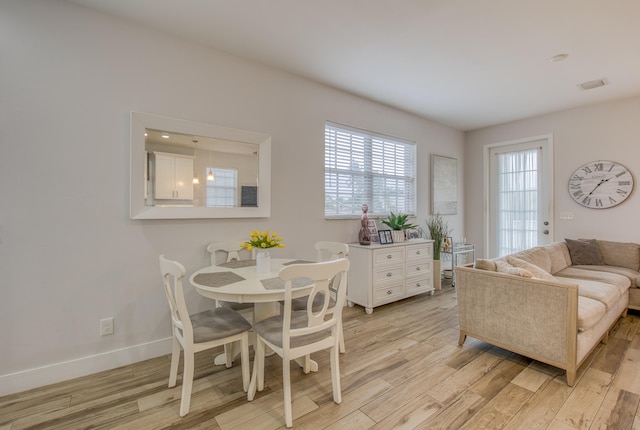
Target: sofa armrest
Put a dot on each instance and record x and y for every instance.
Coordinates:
(531, 317)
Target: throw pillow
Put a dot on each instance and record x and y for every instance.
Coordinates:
(504, 267)
(536, 271)
(584, 251)
(483, 264)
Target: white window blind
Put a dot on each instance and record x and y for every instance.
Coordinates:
(365, 168)
(223, 191)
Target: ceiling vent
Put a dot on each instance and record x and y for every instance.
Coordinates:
(589, 85)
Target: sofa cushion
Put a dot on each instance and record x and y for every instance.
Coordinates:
(595, 274)
(559, 256)
(584, 251)
(483, 264)
(536, 271)
(631, 275)
(537, 255)
(606, 293)
(621, 254)
(503, 266)
(590, 312)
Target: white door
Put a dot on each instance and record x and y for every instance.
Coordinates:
(520, 197)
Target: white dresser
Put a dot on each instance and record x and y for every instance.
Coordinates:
(381, 274)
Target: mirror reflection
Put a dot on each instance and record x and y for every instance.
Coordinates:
(184, 170)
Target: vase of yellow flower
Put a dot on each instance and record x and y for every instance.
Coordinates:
(261, 242)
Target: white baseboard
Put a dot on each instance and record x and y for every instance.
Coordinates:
(57, 372)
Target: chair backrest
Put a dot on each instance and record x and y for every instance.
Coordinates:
(331, 250)
(172, 275)
(319, 318)
(231, 249)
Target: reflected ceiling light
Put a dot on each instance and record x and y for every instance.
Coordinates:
(195, 175)
(210, 176)
(165, 136)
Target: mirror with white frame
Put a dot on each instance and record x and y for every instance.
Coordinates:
(186, 169)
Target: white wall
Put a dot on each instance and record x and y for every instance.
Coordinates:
(601, 132)
(69, 254)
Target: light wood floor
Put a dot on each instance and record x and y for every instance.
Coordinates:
(403, 369)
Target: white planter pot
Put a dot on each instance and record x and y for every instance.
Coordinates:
(398, 236)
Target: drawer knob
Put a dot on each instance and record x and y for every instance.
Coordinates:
(389, 275)
(389, 292)
(418, 252)
(418, 269)
(389, 257)
(418, 284)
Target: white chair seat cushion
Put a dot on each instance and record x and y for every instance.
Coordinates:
(271, 330)
(217, 323)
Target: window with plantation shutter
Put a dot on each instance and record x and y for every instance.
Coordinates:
(363, 167)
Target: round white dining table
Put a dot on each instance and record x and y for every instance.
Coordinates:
(239, 282)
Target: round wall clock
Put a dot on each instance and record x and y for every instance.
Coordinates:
(600, 184)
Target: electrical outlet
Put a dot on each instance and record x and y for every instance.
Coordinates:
(106, 326)
(566, 215)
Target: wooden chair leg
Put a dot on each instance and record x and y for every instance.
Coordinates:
(335, 375)
(286, 387)
(187, 383)
(244, 356)
(175, 361)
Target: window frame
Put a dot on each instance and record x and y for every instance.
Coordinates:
(383, 162)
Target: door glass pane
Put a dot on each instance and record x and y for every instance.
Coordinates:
(517, 200)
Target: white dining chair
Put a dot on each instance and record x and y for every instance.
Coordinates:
(326, 251)
(231, 251)
(296, 334)
(198, 332)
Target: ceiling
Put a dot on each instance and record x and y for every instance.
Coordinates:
(464, 63)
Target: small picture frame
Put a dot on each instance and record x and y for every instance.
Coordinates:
(447, 244)
(385, 237)
(412, 234)
(373, 231)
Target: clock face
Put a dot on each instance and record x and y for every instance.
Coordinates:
(600, 184)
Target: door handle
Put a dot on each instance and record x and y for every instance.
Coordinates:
(545, 231)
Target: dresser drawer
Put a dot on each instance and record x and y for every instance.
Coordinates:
(388, 274)
(421, 284)
(385, 257)
(388, 293)
(418, 268)
(419, 252)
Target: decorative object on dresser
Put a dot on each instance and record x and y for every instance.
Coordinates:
(398, 224)
(364, 235)
(438, 231)
(382, 274)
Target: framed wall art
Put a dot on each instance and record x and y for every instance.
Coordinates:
(444, 185)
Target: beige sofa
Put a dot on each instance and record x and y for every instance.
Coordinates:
(553, 303)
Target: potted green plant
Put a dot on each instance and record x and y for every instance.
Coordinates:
(438, 231)
(398, 223)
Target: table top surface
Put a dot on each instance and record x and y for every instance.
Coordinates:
(238, 281)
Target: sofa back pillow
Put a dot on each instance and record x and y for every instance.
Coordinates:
(620, 254)
(584, 251)
(503, 266)
(537, 255)
(536, 271)
(559, 255)
(483, 264)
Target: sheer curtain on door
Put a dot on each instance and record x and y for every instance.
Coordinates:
(518, 185)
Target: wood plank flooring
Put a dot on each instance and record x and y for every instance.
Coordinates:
(403, 369)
